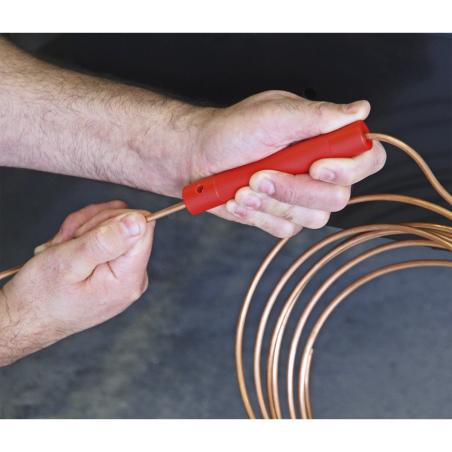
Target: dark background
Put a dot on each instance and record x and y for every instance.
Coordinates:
(171, 353)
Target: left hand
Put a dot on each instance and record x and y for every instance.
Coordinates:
(263, 124)
(92, 270)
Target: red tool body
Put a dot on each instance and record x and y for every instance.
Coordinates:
(296, 159)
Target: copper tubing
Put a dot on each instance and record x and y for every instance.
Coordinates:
(433, 235)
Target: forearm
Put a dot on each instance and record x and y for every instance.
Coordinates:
(56, 120)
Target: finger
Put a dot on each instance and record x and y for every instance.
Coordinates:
(105, 243)
(324, 117)
(299, 119)
(302, 216)
(348, 171)
(77, 219)
(222, 212)
(102, 216)
(133, 263)
(277, 226)
(297, 190)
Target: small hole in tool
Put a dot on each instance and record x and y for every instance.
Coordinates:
(309, 93)
(199, 189)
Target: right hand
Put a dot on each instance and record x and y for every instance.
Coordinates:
(276, 202)
(92, 270)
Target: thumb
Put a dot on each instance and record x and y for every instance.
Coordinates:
(326, 116)
(106, 242)
(306, 119)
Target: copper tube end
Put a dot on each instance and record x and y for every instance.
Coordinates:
(10, 272)
(165, 212)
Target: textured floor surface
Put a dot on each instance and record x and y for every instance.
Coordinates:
(385, 353)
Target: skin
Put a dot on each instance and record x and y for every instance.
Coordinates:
(56, 120)
(91, 271)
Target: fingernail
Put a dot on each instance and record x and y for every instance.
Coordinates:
(352, 108)
(239, 211)
(326, 175)
(266, 186)
(56, 238)
(40, 249)
(252, 201)
(130, 225)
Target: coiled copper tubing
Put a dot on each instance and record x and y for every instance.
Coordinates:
(432, 235)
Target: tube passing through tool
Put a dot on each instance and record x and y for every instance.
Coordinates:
(296, 159)
(165, 212)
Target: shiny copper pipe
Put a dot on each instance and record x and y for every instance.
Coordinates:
(165, 212)
(10, 272)
(439, 236)
(315, 331)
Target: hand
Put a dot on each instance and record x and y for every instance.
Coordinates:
(92, 270)
(261, 125)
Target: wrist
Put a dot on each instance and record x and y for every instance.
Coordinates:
(20, 330)
(9, 350)
(163, 153)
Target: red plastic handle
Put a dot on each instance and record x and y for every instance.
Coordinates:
(297, 159)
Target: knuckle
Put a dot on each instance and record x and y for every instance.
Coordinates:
(288, 194)
(56, 264)
(258, 219)
(70, 220)
(270, 94)
(320, 109)
(289, 213)
(102, 241)
(271, 108)
(311, 200)
(277, 226)
(245, 215)
(119, 203)
(321, 115)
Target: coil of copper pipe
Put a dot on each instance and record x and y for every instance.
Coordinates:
(438, 236)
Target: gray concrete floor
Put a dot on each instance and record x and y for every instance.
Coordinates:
(384, 353)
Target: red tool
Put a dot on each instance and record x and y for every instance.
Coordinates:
(297, 159)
